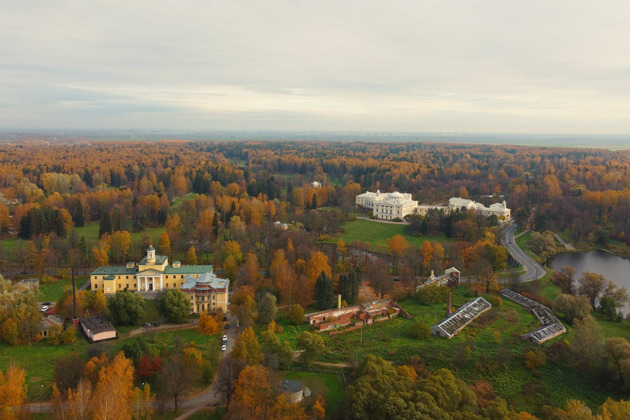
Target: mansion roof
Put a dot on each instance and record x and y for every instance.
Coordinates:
(206, 279)
(152, 268)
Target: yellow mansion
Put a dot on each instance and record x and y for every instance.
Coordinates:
(207, 292)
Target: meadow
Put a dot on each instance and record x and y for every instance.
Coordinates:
(376, 234)
(490, 348)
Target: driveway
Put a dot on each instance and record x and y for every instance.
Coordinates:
(533, 270)
(207, 398)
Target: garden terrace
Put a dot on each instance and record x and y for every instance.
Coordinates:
(365, 313)
(551, 325)
(455, 322)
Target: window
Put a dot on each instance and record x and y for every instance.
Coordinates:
(119, 286)
(96, 286)
(167, 284)
(126, 277)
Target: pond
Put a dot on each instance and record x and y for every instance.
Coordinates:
(611, 266)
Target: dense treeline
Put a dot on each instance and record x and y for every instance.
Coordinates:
(240, 189)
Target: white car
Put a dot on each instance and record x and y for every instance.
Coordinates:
(44, 308)
(225, 338)
(223, 347)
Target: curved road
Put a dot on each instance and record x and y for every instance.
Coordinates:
(534, 271)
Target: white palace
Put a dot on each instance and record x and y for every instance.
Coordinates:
(389, 206)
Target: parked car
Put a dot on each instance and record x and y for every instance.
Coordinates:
(223, 347)
(44, 308)
(227, 326)
(225, 338)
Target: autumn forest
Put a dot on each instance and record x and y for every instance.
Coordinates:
(276, 219)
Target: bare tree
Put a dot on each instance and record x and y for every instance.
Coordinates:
(229, 369)
(564, 278)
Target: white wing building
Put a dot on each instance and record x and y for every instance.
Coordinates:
(387, 206)
(497, 209)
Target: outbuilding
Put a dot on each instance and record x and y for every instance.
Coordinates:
(98, 328)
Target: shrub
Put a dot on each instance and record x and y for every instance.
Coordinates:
(534, 359)
(432, 294)
(46, 280)
(54, 335)
(495, 301)
(64, 274)
(420, 330)
(69, 335)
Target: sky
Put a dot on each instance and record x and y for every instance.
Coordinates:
(410, 66)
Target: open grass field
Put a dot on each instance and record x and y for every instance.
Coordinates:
(39, 359)
(490, 348)
(90, 232)
(327, 384)
(377, 234)
(52, 292)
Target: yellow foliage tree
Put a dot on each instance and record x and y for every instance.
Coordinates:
(191, 256)
(164, 244)
(253, 395)
(208, 324)
(316, 264)
(113, 396)
(319, 409)
(247, 348)
(12, 391)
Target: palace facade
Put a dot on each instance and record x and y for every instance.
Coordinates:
(154, 273)
(387, 206)
(499, 210)
(396, 205)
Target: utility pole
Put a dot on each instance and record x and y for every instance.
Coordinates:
(74, 299)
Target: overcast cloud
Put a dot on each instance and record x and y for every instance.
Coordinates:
(431, 66)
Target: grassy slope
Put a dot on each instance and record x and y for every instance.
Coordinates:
(498, 336)
(39, 359)
(330, 385)
(377, 234)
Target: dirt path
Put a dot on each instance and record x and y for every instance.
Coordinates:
(164, 327)
(565, 244)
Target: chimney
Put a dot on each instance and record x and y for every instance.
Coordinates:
(448, 310)
(338, 301)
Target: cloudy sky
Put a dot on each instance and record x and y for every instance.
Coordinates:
(428, 66)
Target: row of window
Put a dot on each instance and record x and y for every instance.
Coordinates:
(134, 286)
(181, 276)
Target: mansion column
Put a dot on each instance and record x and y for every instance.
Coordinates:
(146, 284)
(138, 283)
(161, 282)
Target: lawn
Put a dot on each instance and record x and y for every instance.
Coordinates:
(377, 234)
(39, 359)
(52, 292)
(490, 348)
(177, 203)
(327, 384)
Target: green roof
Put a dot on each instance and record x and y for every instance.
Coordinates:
(121, 270)
(188, 269)
(159, 260)
(117, 270)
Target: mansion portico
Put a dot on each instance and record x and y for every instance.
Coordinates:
(154, 273)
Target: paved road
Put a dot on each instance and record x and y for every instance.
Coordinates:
(534, 271)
